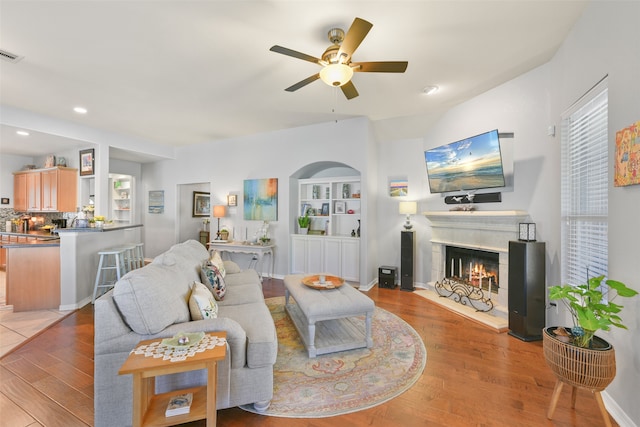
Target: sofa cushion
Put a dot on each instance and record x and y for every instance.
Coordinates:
(212, 278)
(153, 297)
(262, 341)
(231, 267)
(242, 294)
(202, 304)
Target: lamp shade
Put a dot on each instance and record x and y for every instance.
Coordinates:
(219, 211)
(336, 74)
(408, 208)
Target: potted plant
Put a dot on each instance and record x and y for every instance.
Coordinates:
(303, 223)
(576, 355)
(590, 309)
(224, 232)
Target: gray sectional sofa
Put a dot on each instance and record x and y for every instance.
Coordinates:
(152, 302)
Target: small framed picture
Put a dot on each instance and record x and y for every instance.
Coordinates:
(304, 210)
(339, 208)
(201, 204)
(325, 209)
(87, 162)
(232, 200)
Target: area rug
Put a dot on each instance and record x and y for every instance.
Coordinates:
(342, 382)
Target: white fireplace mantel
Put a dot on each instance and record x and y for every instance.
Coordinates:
(489, 230)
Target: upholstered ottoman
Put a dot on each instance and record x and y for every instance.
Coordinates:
(329, 320)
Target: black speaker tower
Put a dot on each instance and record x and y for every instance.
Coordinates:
(407, 248)
(526, 290)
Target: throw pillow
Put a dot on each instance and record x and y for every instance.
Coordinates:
(202, 305)
(216, 260)
(212, 278)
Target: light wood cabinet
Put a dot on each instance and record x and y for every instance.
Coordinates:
(46, 190)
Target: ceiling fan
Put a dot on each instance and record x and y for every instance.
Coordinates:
(337, 67)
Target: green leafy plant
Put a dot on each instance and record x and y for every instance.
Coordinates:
(304, 221)
(590, 311)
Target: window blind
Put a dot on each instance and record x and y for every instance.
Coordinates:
(585, 182)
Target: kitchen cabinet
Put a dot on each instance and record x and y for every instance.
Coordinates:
(45, 190)
(339, 256)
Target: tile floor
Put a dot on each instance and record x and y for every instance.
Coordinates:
(16, 328)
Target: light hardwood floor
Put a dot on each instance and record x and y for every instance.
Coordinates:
(473, 377)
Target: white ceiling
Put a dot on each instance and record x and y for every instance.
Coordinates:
(186, 72)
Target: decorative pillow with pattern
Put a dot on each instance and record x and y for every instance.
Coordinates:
(216, 259)
(211, 277)
(202, 305)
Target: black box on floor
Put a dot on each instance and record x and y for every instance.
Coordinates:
(387, 276)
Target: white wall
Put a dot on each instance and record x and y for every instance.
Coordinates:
(606, 40)
(226, 164)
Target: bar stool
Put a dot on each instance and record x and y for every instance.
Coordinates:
(129, 257)
(138, 255)
(111, 260)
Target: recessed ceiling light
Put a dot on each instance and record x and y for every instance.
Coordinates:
(80, 110)
(22, 132)
(430, 90)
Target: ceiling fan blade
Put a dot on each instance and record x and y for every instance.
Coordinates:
(349, 90)
(357, 32)
(303, 83)
(380, 67)
(295, 54)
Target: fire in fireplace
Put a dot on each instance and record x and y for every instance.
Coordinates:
(473, 267)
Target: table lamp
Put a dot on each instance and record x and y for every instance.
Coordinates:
(408, 209)
(219, 212)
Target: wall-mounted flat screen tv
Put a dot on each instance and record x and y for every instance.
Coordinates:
(470, 164)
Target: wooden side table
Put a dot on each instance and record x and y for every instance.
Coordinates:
(149, 408)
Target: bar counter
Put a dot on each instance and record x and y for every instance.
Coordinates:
(32, 262)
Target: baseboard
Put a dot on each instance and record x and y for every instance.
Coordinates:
(616, 412)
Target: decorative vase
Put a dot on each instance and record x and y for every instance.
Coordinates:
(358, 230)
(99, 224)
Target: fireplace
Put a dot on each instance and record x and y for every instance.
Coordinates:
(477, 268)
(460, 238)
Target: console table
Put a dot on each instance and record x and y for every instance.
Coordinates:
(259, 251)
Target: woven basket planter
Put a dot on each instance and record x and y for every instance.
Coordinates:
(591, 369)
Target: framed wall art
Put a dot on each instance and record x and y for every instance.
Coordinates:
(87, 162)
(232, 200)
(627, 161)
(201, 204)
(261, 199)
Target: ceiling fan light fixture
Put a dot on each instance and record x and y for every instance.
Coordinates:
(336, 74)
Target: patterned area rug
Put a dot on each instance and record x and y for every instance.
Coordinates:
(343, 382)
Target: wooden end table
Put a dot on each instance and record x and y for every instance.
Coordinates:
(149, 408)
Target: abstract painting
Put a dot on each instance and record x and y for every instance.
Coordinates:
(261, 199)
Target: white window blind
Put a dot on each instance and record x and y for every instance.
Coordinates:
(585, 181)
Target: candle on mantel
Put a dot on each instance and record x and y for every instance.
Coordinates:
(480, 275)
(460, 267)
(470, 270)
(489, 289)
(451, 267)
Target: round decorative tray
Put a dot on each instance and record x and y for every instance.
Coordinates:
(330, 282)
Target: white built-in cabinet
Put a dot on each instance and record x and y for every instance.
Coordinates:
(339, 256)
(332, 245)
(121, 198)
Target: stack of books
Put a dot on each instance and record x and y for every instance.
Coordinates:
(178, 405)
